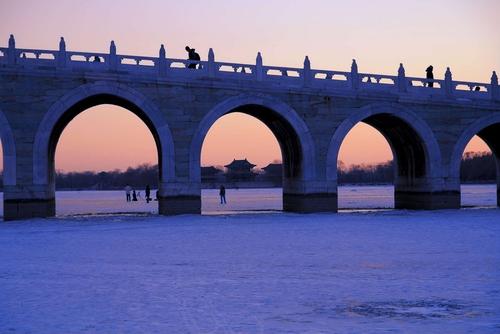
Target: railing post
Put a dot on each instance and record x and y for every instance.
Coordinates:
(307, 72)
(448, 83)
(259, 73)
(162, 62)
(354, 75)
(211, 63)
(11, 54)
(495, 94)
(402, 84)
(113, 59)
(61, 56)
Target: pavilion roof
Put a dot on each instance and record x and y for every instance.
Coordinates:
(240, 164)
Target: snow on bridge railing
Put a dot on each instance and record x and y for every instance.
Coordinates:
(307, 77)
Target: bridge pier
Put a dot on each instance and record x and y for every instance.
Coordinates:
(28, 202)
(25, 208)
(310, 203)
(308, 197)
(179, 205)
(177, 198)
(426, 200)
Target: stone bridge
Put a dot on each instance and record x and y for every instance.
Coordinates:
(310, 112)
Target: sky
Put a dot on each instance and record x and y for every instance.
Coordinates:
(380, 34)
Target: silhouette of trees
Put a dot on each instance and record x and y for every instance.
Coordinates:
(366, 174)
(137, 177)
(478, 167)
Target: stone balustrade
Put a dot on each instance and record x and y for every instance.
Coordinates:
(284, 76)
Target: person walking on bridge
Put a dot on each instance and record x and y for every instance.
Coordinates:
(430, 75)
(192, 55)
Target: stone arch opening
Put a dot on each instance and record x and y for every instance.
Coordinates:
(240, 145)
(478, 174)
(79, 100)
(415, 150)
(119, 150)
(86, 104)
(365, 170)
(294, 139)
(486, 128)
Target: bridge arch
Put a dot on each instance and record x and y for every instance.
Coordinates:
(89, 95)
(9, 151)
(417, 157)
(488, 129)
(292, 133)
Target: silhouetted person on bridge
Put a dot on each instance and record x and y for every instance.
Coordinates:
(430, 75)
(148, 193)
(192, 55)
(222, 194)
(97, 59)
(134, 196)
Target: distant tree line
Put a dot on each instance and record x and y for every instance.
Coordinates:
(137, 178)
(476, 167)
(366, 174)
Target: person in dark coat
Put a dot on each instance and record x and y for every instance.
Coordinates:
(134, 196)
(430, 75)
(148, 193)
(222, 194)
(192, 55)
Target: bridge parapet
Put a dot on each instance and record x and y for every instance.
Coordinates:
(288, 77)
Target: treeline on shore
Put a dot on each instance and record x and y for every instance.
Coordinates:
(476, 168)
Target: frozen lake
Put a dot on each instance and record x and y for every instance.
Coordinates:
(352, 272)
(244, 200)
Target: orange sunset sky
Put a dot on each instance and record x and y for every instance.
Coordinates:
(461, 34)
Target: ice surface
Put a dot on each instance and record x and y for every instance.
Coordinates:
(375, 272)
(244, 200)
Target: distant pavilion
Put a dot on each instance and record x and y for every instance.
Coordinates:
(240, 170)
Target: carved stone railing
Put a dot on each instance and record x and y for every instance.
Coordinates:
(305, 77)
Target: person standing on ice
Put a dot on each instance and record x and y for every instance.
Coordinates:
(128, 189)
(134, 196)
(222, 194)
(148, 193)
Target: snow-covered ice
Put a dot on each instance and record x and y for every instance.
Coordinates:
(244, 200)
(370, 272)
